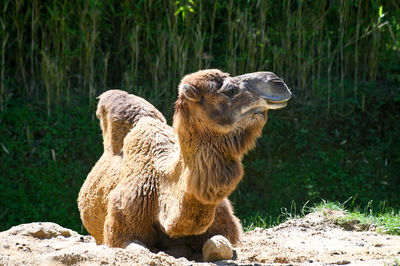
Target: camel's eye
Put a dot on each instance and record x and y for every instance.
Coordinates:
(230, 91)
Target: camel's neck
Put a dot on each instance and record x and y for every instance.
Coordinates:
(207, 177)
(212, 169)
(212, 161)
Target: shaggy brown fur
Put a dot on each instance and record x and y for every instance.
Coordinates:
(161, 185)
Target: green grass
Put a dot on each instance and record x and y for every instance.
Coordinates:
(385, 221)
(250, 223)
(327, 205)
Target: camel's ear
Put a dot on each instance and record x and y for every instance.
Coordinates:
(190, 93)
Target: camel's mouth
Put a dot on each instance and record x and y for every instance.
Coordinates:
(261, 106)
(276, 104)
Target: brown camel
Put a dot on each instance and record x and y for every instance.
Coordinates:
(160, 185)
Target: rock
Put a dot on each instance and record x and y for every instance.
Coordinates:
(41, 230)
(47, 243)
(258, 229)
(217, 248)
(136, 246)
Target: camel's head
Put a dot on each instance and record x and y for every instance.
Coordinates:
(214, 102)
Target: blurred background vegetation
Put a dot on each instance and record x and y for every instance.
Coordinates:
(338, 138)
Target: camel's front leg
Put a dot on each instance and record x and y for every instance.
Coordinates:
(224, 231)
(184, 215)
(127, 220)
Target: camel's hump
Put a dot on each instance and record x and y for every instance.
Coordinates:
(126, 107)
(118, 113)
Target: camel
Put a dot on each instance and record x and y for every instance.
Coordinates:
(160, 185)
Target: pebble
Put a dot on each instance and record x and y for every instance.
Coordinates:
(258, 229)
(343, 262)
(217, 248)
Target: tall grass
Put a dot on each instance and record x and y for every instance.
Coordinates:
(4, 39)
(49, 48)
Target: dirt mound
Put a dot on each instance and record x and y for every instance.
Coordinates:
(315, 239)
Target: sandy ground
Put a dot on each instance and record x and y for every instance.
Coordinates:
(313, 240)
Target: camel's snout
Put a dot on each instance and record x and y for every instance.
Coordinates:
(265, 85)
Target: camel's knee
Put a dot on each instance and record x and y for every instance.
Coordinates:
(226, 223)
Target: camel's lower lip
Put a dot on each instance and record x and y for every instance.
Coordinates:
(276, 105)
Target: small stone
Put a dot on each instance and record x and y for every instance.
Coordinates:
(135, 246)
(258, 229)
(217, 248)
(337, 252)
(6, 246)
(343, 262)
(281, 260)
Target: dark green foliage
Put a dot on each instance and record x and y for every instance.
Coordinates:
(339, 137)
(305, 156)
(44, 161)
